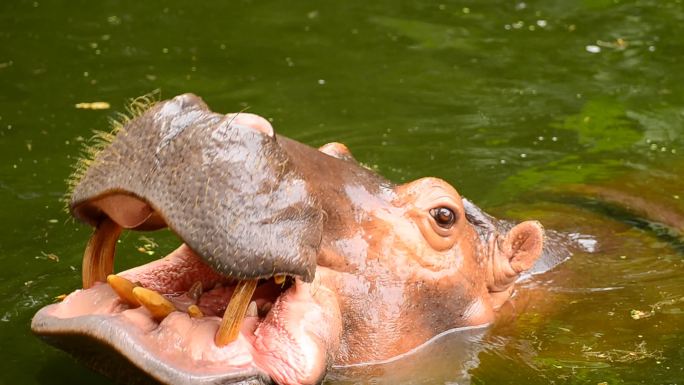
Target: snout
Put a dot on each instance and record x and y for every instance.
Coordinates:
(222, 183)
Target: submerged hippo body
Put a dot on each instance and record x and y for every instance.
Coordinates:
(339, 265)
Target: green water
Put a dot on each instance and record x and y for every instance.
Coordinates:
(515, 103)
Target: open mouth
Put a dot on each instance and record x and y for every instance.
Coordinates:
(242, 299)
(178, 320)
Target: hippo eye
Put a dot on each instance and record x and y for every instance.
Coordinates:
(444, 216)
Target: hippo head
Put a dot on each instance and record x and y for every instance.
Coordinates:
(292, 259)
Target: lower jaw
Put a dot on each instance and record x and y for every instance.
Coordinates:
(109, 346)
(96, 324)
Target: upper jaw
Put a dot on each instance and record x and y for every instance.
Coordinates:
(262, 254)
(222, 183)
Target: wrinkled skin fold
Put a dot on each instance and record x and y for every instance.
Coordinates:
(292, 259)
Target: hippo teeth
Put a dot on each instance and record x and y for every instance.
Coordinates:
(155, 303)
(124, 288)
(195, 312)
(98, 266)
(134, 295)
(159, 306)
(279, 279)
(235, 313)
(98, 258)
(252, 310)
(195, 291)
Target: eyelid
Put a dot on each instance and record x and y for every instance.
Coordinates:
(447, 203)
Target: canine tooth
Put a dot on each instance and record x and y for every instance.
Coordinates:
(98, 258)
(195, 291)
(159, 306)
(195, 312)
(235, 312)
(124, 288)
(252, 310)
(279, 279)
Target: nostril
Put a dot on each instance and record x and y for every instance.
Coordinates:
(252, 120)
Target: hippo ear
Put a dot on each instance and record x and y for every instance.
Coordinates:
(337, 150)
(514, 253)
(524, 243)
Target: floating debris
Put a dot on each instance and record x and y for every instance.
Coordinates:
(639, 314)
(593, 48)
(92, 105)
(114, 20)
(619, 43)
(50, 256)
(619, 355)
(149, 245)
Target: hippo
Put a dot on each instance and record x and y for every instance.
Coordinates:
(292, 259)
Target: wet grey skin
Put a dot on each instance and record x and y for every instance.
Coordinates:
(229, 191)
(251, 204)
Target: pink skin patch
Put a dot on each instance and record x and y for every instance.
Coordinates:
(251, 120)
(290, 341)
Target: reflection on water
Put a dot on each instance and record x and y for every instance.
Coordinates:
(446, 359)
(571, 113)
